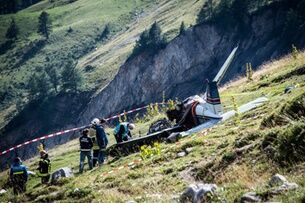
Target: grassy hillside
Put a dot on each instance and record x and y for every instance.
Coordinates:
(239, 155)
(77, 27)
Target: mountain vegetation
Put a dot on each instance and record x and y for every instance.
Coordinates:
(239, 155)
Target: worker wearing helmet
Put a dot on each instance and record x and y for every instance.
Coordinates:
(44, 167)
(122, 131)
(18, 176)
(101, 138)
(85, 150)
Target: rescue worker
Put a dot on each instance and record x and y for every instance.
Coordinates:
(18, 176)
(96, 150)
(101, 138)
(122, 131)
(44, 168)
(85, 150)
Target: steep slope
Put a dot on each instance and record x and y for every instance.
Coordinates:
(239, 155)
(77, 28)
(181, 68)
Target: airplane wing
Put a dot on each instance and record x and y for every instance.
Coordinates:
(242, 109)
(225, 66)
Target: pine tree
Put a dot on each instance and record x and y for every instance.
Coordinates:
(105, 32)
(156, 40)
(182, 28)
(151, 40)
(12, 31)
(44, 24)
(141, 43)
(71, 78)
(38, 86)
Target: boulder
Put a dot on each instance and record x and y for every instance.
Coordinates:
(250, 197)
(65, 172)
(277, 180)
(181, 154)
(285, 187)
(198, 193)
(188, 150)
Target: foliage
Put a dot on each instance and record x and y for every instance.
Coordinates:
(71, 78)
(292, 110)
(38, 85)
(182, 28)
(44, 24)
(12, 6)
(53, 77)
(105, 33)
(12, 31)
(150, 41)
(249, 71)
(295, 52)
(149, 151)
(226, 14)
(286, 146)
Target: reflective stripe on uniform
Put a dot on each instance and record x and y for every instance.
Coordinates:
(85, 150)
(18, 172)
(42, 174)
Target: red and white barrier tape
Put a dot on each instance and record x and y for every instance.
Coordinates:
(131, 164)
(67, 131)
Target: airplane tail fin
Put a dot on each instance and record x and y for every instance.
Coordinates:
(213, 98)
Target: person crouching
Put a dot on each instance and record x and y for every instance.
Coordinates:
(85, 150)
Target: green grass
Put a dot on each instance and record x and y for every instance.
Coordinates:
(213, 159)
(87, 18)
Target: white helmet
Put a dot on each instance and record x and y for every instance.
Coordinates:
(95, 121)
(131, 126)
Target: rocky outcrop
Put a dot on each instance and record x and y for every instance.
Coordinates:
(180, 70)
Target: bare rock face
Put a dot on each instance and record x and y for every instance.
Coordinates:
(182, 67)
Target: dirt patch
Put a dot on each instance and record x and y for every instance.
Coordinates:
(187, 175)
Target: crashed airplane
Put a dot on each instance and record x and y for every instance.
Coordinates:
(193, 115)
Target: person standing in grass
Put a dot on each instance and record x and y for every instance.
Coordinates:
(96, 150)
(44, 168)
(85, 150)
(101, 138)
(18, 176)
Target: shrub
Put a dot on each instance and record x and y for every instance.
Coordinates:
(286, 146)
(150, 41)
(292, 110)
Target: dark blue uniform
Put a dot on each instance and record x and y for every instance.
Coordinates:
(19, 177)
